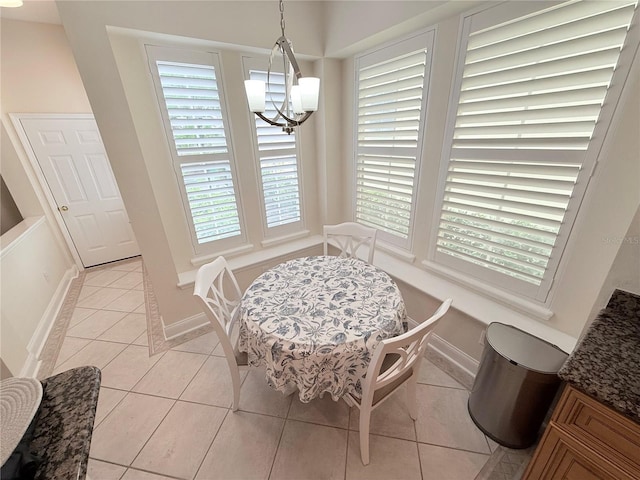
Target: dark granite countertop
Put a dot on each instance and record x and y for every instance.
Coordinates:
(64, 423)
(606, 362)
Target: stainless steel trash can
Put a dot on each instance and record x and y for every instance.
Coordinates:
(515, 385)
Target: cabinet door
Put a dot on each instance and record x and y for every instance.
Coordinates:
(559, 456)
(613, 436)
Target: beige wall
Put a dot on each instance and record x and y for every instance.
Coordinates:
(607, 213)
(85, 24)
(132, 64)
(4, 371)
(38, 76)
(625, 272)
(355, 26)
(612, 197)
(116, 79)
(9, 213)
(128, 131)
(457, 328)
(31, 271)
(39, 73)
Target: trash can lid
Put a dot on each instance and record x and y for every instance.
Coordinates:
(524, 349)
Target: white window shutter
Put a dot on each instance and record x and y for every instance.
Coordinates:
(193, 113)
(193, 105)
(531, 92)
(277, 154)
(212, 199)
(392, 90)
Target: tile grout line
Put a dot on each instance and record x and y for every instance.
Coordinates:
(151, 435)
(415, 431)
(211, 444)
(275, 453)
(226, 415)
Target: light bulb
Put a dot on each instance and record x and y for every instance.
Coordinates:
(10, 3)
(309, 91)
(255, 95)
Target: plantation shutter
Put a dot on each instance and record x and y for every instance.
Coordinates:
(193, 111)
(278, 158)
(391, 98)
(212, 200)
(530, 96)
(193, 105)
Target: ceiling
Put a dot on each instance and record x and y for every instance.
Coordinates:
(42, 11)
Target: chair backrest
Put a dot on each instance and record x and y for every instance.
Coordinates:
(408, 347)
(218, 292)
(350, 236)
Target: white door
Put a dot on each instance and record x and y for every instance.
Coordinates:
(77, 170)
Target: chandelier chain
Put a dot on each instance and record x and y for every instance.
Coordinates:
(282, 17)
(286, 115)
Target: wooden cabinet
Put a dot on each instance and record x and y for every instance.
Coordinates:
(586, 440)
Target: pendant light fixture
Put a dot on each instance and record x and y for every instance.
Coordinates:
(301, 93)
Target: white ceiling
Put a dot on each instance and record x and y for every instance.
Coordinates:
(42, 11)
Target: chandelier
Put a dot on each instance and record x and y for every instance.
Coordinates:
(301, 93)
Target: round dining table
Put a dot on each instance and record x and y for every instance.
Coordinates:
(314, 322)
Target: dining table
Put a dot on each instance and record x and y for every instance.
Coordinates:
(313, 323)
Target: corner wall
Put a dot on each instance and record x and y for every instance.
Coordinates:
(38, 76)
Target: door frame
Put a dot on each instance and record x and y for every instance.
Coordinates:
(39, 175)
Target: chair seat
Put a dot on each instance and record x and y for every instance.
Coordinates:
(395, 361)
(385, 391)
(218, 293)
(242, 359)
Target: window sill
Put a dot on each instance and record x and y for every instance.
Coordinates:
(270, 242)
(480, 306)
(520, 314)
(394, 251)
(186, 279)
(513, 301)
(201, 260)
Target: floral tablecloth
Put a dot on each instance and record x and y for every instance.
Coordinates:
(313, 323)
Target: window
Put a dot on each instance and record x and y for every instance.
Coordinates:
(277, 155)
(392, 85)
(527, 121)
(191, 100)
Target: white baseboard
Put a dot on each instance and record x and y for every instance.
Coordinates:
(450, 353)
(450, 358)
(185, 325)
(39, 337)
(412, 323)
(460, 360)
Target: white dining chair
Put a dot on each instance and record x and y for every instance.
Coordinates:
(219, 295)
(395, 361)
(349, 237)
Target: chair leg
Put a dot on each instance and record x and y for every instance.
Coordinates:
(411, 396)
(365, 420)
(235, 380)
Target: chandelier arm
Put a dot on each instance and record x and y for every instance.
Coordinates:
(283, 43)
(289, 121)
(279, 113)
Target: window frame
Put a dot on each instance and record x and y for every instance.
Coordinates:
(483, 277)
(391, 50)
(211, 58)
(292, 228)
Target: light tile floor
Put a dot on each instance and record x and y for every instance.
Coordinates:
(169, 416)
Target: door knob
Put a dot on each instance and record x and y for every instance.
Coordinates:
(63, 208)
